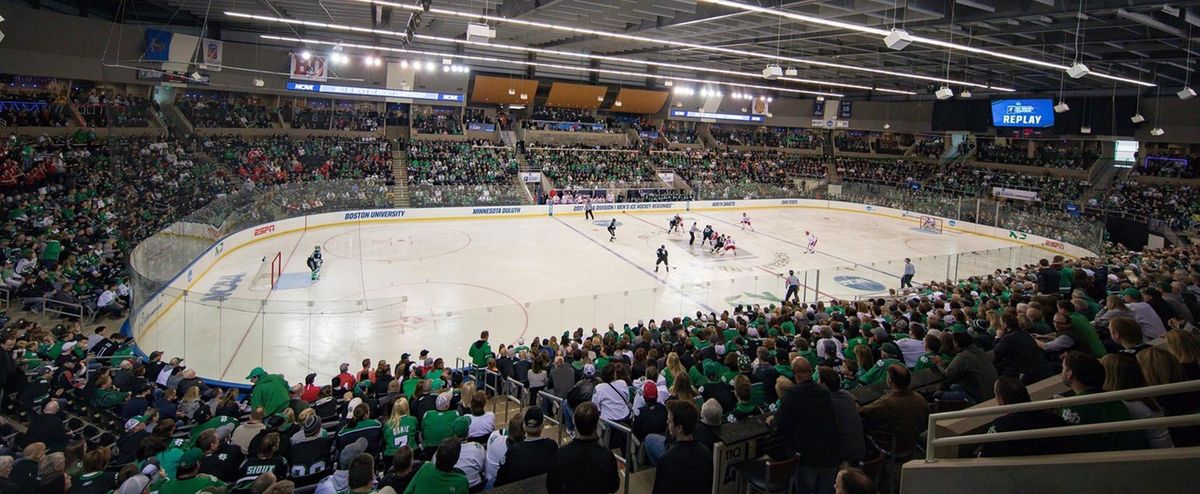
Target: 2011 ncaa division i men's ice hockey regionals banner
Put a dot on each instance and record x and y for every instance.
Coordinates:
(1022, 113)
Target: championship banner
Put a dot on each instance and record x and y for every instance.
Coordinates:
(214, 51)
(760, 107)
(1018, 194)
(175, 51)
(313, 69)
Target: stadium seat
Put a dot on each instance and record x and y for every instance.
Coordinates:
(767, 476)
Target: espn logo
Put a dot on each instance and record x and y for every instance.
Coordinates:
(264, 229)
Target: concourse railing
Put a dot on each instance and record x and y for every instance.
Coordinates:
(933, 441)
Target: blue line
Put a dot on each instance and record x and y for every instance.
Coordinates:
(856, 264)
(635, 265)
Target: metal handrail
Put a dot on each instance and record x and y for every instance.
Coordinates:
(1071, 430)
(558, 417)
(628, 457)
(510, 384)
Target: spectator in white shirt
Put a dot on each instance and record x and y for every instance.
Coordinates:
(107, 303)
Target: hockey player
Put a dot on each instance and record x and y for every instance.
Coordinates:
(314, 263)
(708, 234)
(812, 242)
(729, 245)
(746, 222)
(662, 258)
(612, 230)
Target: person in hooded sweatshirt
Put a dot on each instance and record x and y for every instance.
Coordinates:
(340, 480)
(480, 351)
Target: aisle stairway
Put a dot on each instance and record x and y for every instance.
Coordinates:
(400, 197)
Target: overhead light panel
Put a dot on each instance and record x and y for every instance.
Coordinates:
(1186, 93)
(1086, 129)
(944, 93)
(1062, 107)
(773, 71)
(837, 24)
(897, 39)
(791, 72)
(1157, 131)
(1137, 118)
(1078, 70)
(887, 126)
(528, 63)
(966, 93)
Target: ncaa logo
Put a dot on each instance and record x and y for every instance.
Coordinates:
(859, 283)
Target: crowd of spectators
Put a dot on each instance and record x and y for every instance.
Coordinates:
(812, 372)
(680, 132)
(787, 137)
(397, 115)
(1045, 154)
(586, 167)
(708, 167)
(894, 144)
(852, 142)
(217, 110)
(344, 118)
(460, 163)
(280, 159)
(929, 147)
(33, 109)
(1173, 165)
(961, 180)
(552, 114)
(1176, 204)
(437, 120)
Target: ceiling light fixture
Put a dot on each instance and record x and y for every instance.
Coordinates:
(474, 16)
(589, 56)
(987, 52)
(527, 63)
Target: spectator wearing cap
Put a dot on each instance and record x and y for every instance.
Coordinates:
(221, 459)
(531, 457)
(499, 442)
(311, 391)
(472, 457)
(651, 417)
(270, 391)
(127, 444)
(889, 353)
(340, 480)
(436, 424)
(583, 466)
(581, 391)
(48, 428)
(361, 425)
(685, 467)
(345, 380)
(188, 478)
(439, 475)
(1151, 323)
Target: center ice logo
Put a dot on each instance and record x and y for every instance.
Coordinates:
(859, 283)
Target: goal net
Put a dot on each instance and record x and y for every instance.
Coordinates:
(268, 272)
(929, 223)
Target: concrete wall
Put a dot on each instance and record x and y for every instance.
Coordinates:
(1162, 470)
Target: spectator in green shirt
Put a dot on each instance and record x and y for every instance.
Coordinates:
(1084, 374)
(439, 476)
(435, 424)
(188, 477)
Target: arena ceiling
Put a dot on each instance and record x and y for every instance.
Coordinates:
(1138, 41)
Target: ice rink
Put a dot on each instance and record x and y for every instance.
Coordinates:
(404, 286)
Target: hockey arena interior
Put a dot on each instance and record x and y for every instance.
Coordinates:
(599, 246)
